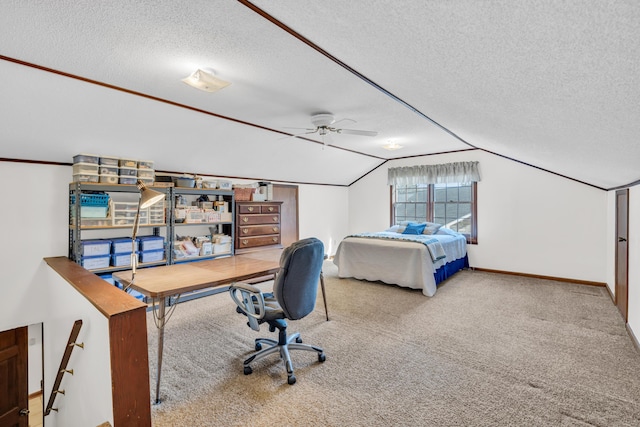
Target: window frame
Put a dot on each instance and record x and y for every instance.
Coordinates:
(472, 237)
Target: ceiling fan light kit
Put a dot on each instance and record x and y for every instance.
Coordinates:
(206, 80)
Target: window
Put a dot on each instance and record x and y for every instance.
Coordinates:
(452, 205)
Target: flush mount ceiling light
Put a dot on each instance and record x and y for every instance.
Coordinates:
(392, 146)
(205, 79)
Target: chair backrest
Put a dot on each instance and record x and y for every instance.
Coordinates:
(296, 284)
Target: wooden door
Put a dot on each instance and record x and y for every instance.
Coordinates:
(288, 194)
(622, 251)
(14, 393)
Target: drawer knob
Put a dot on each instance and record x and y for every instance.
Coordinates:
(275, 229)
(250, 208)
(245, 230)
(244, 242)
(270, 208)
(245, 219)
(275, 219)
(275, 239)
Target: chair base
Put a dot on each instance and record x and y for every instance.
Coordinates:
(293, 342)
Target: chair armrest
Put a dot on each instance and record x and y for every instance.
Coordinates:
(250, 302)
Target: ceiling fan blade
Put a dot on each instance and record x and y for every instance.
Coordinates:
(341, 121)
(298, 135)
(307, 129)
(357, 132)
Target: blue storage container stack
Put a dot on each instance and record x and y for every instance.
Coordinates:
(121, 250)
(95, 253)
(151, 248)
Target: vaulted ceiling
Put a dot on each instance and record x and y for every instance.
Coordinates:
(553, 84)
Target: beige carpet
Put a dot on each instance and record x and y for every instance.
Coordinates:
(487, 350)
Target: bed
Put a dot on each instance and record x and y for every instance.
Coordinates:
(412, 261)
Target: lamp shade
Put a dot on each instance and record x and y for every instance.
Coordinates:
(148, 197)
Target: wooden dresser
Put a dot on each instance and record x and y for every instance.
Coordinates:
(257, 226)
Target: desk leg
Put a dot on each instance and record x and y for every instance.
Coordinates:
(161, 321)
(324, 295)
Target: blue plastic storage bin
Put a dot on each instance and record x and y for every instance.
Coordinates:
(94, 262)
(95, 247)
(151, 243)
(152, 256)
(122, 245)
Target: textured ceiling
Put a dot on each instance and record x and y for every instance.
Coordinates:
(554, 84)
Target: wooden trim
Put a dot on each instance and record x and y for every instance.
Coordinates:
(127, 340)
(349, 69)
(538, 276)
(130, 377)
(173, 103)
(611, 295)
(634, 339)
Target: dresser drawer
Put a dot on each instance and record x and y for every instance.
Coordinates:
(257, 230)
(251, 242)
(266, 209)
(245, 219)
(249, 209)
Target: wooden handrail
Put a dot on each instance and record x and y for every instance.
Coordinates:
(71, 344)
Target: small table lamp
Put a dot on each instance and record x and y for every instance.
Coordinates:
(148, 198)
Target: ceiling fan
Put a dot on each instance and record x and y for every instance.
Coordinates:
(325, 125)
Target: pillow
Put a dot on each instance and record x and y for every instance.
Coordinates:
(431, 228)
(395, 229)
(413, 228)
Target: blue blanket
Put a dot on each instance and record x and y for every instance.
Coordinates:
(435, 248)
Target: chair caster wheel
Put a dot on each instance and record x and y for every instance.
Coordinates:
(291, 380)
(298, 340)
(247, 370)
(258, 346)
(322, 357)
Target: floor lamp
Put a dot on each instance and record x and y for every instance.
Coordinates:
(148, 198)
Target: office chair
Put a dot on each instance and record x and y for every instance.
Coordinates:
(294, 296)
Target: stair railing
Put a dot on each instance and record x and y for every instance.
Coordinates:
(71, 344)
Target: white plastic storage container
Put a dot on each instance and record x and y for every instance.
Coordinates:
(93, 262)
(125, 171)
(152, 256)
(109, 179)
(130, 180)
(86, 177)
(127, 163)
(145, 164)
(95, 247)
(146, 173)
(86, 158)
(151, 243)
(84, 168)
(109, 161)
(108, 170)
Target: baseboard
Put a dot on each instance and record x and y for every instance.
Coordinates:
(613, 297)
(537, 276)
(636, 344)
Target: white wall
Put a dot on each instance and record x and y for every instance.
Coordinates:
(529, 221)
(35, 218)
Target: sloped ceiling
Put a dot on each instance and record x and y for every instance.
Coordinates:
(554, 84)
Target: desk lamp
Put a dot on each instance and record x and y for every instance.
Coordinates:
(148, 198)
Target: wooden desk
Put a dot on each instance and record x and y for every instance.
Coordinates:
(160, 283)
